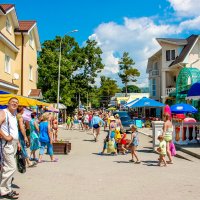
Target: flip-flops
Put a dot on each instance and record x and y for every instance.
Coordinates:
(10, 195)
(55, 160)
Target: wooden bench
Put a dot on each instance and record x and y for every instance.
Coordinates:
(62, 147)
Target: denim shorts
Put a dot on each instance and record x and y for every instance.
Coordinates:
(49, 148)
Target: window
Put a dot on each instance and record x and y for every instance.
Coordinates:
(154, 87)
(30, 73)
(8, 25)
(7, 64)
(31, 40)
(170, 55)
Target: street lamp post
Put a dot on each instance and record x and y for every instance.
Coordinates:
(58, 94)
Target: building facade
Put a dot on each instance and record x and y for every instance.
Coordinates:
(19, 44)
(164, 66)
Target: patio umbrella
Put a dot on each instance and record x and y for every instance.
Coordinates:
(183, 108)
(194, 91)
(147, 102)
(131, 103)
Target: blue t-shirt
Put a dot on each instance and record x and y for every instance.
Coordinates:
(44, 136)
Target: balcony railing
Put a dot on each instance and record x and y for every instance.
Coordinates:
(168, 90)
(186, 133)
(154, 73)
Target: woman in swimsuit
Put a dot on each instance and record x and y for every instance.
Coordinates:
(167, 133)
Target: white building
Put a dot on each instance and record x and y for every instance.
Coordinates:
(164, 66)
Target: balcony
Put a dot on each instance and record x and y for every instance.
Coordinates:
(169, 90)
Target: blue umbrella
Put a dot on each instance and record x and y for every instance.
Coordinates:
(194, 91)
(147, 102)
(131, 103)
(183, 108)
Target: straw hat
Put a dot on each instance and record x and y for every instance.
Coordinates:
(112, 118)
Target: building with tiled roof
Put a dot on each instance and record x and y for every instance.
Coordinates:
(164, 66)
(19, 44)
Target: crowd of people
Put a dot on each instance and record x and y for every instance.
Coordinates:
(19, 135)
(40, 132)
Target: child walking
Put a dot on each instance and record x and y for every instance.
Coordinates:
(123, 142)
(68, 123)
(162, 151)
(134, 143)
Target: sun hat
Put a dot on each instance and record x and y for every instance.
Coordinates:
(112, 118)
(117, 115)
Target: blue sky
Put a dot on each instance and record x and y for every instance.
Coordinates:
(117, 25)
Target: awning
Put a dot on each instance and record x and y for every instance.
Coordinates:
(194, 92)
(146, 102)
(23, 101)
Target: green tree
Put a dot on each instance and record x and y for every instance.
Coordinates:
(107, 89)
(79, 67)
(131, 89)
(127, 72)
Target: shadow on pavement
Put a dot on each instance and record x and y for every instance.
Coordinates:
(89, 140)
(150, 163)
(145, 151)
(125, 162)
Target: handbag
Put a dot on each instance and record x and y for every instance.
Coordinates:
(21, 163)
(172, 148)
(111, 147)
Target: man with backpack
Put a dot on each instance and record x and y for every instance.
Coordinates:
(8, 147)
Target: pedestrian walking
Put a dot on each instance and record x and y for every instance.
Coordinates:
(167, 133)
(96, 124)
(162, 151)
(34, 137)
(134, 144)
(23, 139)
(9, 143)
(45, 138)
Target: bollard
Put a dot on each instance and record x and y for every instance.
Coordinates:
(157, 130)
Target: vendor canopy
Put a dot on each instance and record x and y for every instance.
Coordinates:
(183, 108)
(23, 101)
(194, 91)
(147, 102)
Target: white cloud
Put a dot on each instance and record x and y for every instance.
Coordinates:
(136, 36)
(186, 8)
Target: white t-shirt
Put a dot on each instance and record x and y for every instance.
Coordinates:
(10, 125)
(86, 119)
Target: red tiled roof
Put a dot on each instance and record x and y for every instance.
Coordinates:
(6, 7)
(24, 26)
(35, 93)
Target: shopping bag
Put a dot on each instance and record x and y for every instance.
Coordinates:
(21, 163)
(111, 147)
(172, 148)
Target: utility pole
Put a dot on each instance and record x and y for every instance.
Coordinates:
(87, 101)
(78, 101)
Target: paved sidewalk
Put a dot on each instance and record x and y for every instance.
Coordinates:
(84, 175)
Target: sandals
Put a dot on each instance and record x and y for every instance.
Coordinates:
(11, 195)
(54, 160)
(131, 160)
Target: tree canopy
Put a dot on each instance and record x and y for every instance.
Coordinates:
(131, 89)
(127, 72)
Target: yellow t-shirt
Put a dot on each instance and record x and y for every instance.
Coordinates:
(162, 146)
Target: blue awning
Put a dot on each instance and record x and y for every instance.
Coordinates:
(147, 102)
(194, 91)
(3, 92)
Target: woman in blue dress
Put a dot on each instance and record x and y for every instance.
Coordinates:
(45, 138)
(34, 136)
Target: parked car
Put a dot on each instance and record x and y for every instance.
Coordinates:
(126, 122)
(121, 113)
